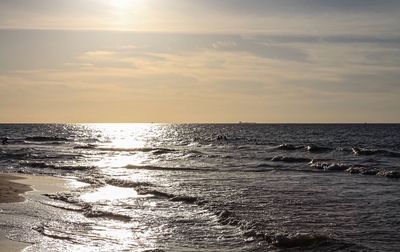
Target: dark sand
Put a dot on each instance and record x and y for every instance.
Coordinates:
(11, 191)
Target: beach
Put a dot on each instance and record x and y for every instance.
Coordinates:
(16, 189)
(10, 191)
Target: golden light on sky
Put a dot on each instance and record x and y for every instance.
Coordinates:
(199, 61)
(123, 4)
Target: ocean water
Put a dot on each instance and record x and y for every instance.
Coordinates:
(208, 187)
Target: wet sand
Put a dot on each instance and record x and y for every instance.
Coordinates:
(10, 190)
(11, 246)
(13, 189)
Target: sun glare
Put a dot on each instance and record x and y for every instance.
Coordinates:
(121, 4)
(126, 13)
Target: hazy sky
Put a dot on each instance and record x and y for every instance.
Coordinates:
(199, 60)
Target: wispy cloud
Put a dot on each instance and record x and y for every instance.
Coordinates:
(298, 75)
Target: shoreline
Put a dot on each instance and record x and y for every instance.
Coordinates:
(11, 190)
(15, 189)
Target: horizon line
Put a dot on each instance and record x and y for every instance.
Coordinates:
(239, 122)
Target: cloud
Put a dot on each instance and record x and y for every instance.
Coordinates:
(188, 76)
(98, 55)
(299, 6)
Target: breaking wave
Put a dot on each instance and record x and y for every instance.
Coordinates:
(374, 172)
(329, 166)
(89, 212)
(362, 170)
(160, 194)
(226, 217)
(354, 169)
(126, 183)
(389, 174)
(278, 239)
(87, 209)
(369, 152)
(310, 148)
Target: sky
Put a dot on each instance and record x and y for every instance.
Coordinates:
(184, 61)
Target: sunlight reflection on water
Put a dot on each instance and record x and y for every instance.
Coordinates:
(109, 193)
(126, 135)
(181, 188)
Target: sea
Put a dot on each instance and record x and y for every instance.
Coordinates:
(207, 187)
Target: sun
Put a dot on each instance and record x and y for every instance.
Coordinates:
(121, 4)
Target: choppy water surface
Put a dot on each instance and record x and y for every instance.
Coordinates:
(243, 187)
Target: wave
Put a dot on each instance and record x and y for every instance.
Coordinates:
(288, 147)
(92, 179)
(63, 206)
(282, 240)
(224, 216)
(155, 193)
(186, 199)
(290, 159)
(86, 208)
(329, 166)
(227, 217)
(90, 213)
(158, 151)
(37, 164)
(7, 155)
(46, 139)
(369, 152)
(176, 198)
(146, 188)
(127, 183)
(286, 240)
(373, 172)
(162, 168)
(63, 196)
(44, 165)
(193, 152)
(86, 147)
(352, 169)
(389, 174)
(316, 149)
(362, 170)
(310, 148)
(44, 230)
(155, 151)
